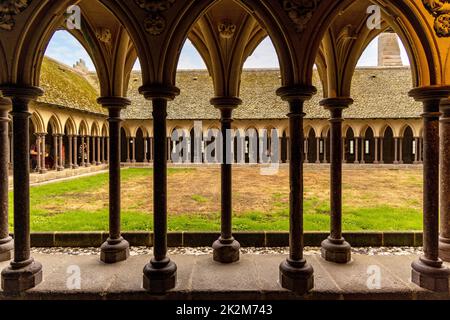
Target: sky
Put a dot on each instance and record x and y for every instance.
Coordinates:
(66, 49)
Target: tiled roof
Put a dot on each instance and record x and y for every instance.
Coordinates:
(378, 93)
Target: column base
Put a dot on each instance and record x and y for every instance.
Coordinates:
(226, 250)
(19, 279)
(337, 251)
(160, 276)
(98, 163)
(42, 171)
(431, 275)
(6, 248)
(396, 162)
(376, 162)
(75, 166)
(297, 276)
(60, 169)
(113, 251)
(87, 165)
(444, 249)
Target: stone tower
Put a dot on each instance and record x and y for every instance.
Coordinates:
(389, 50)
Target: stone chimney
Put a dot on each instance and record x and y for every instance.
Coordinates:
(389, 50)
(81, 67)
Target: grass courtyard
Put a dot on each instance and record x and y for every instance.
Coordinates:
(374, 199)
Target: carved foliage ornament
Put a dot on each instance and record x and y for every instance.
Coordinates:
(8, 9)
(440, 9)
(300, 12)
(155, 23)
(227, 29)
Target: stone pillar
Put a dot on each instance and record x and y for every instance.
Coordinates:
(23, 273)
(6, 242)
(335, 248)
(61, 158)
(38, 151)
(103, 158)
(381, 150)
(356, 149)
(325, 150)
(318, 150)
(344, 160)
(115, 248)
(108, 149)
(70, 137)
(376, 151)
(396, 151)
(416, 154)
(160, 273)
(226, 248)
(55, 152)
(363, 150)
(444, 238)
(43, 154)
(150, 149)
(75, 152)
(145, 150)
(98, 156)
(94, 150)
(83, 152)
(88, 152)
(429, 271)
(128, 150)
(400, 140)
(133, 142)
(295, 273)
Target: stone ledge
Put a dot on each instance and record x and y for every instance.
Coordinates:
(254, 277)
(246, 239)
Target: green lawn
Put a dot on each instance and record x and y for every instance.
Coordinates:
(81, 205)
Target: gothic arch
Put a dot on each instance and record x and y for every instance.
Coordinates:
(55, 123)
(70, 126)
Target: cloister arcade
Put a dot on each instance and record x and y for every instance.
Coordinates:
(331, 34)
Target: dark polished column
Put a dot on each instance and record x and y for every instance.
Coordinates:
(133, 151)
(356, 149)
(226, 248)
(88, 152)
(83, 151)
(70, 138)
(43, 154)
(116, 248)
(295, 273)
(396, 151)
(6, 242)
(400, 160)
(160, 275)
(429, 271)
(23, 272)
(444, 238)
(335, 248)
(99, 158)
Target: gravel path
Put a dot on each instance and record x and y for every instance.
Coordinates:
(135, 251)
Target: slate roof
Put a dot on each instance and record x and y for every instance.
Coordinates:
(378, 93)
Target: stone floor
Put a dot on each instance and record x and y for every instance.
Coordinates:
(254, 277)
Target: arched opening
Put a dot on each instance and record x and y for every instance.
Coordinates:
(350, 146)
(408, 150)
(368, 146)
(284, 147)
(388, 146)
(124, 146)
(312, 147)
(140, 151)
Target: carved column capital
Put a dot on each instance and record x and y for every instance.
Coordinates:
(159, 91)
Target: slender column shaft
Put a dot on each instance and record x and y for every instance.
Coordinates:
(400, 140)
(83, 151)
(75, 152)
(99, 149)
(296, 134)
(416, 150)
(55, 151)
(43, 154)
(108, 148)
(356, 151)
(61, 156)
(336, 175)
(94, 151)
(444, 238)
(396, 151)
(343, 150)
(88, 151)
(21, 149)
(317, 150)
(103, 159)
(363, 150)
(128, 150)
(381, 150)
(160, 178)
(376, 150)
(70, 151)
(325, 160)
(38, 151)
(114, 121)
(133, 141)
(226, 181)
(6, 244)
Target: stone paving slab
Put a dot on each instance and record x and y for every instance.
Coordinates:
(199, 277)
